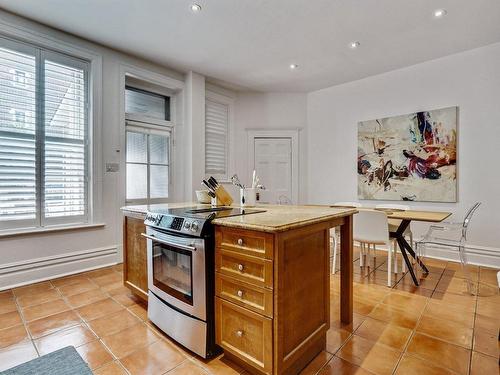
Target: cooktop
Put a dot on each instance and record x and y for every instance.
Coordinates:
(192, 220)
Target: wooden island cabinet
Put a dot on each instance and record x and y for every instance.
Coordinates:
(273, 290)
(135, 263)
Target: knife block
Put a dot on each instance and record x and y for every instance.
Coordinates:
(223, 197)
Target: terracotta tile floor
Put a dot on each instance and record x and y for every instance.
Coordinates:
(433, 329)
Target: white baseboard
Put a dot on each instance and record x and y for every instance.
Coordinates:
(478, 255)
(41, 269)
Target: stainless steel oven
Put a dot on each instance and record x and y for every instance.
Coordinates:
(176, 271)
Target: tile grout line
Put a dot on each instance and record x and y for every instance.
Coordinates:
(99, 338)
(415, 331)
(176, 366)
(24, 323)
(474, 322)
(412, 334)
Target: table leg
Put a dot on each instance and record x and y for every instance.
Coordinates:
(346, 271)
(412, 253)
(404, 246)
(407, 260)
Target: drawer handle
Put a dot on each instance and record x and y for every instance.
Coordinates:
(241, 267)
(239, 333)
(240, 241)
(239, 293)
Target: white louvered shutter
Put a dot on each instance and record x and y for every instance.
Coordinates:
(64, 162)
(216, 137)
(18, 201)
(43, 137)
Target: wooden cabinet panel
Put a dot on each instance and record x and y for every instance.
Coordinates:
(248, 242)
(135, 264)
(254, 270)
(245, 294)
(302, 314)
(244, 334)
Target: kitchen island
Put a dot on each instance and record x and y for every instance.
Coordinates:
(272, 292)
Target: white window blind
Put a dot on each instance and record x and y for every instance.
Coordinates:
(43, 137)
(216, 137)
(147, 104)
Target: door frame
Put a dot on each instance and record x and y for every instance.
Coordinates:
(293, 135)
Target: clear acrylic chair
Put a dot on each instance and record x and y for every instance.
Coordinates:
(335, 234)
(459, 242)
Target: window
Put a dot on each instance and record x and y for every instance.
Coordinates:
(148, 140)
(147, 104)
(216, 138)
(43, 137)
(148, 154)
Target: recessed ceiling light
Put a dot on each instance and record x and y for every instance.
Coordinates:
(293, 66)
(195, 8)
(354, 45)
(438, 13)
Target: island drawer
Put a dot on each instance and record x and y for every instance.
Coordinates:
(259, 244)
(254, 270)
(245, 334)
(245, 294)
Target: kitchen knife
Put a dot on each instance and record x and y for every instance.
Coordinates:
(214, 182)
(209, 186)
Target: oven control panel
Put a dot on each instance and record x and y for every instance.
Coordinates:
(189, 226)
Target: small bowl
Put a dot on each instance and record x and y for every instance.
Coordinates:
(202, 196)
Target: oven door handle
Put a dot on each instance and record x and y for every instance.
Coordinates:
(173, 244)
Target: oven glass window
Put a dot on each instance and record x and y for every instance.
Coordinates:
(172, 271)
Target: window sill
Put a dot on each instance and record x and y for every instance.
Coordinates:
(59, 228)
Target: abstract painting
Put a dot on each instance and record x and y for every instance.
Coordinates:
(410, 157)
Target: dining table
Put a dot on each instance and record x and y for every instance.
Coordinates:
(406, 217)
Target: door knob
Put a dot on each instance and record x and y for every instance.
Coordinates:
(239, 293)
(240, 267)
(240, 241)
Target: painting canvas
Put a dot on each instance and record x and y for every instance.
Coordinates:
(410, 157)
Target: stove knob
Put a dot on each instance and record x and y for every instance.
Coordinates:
(187, 225)
(195, 226)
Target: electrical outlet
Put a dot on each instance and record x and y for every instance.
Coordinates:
(112, 167)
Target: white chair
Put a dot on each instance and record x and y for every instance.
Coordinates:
(393, 227)
(334, 233)
(370, 227)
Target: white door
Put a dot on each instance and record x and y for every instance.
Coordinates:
(273, 163)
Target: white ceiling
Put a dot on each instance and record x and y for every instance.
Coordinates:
(251, 43)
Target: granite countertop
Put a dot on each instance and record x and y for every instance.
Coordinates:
(282, 218)
(275, 219)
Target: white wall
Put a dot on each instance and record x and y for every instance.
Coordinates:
(26, 258)
(470, 80)
(194, 139)
(269, 111)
